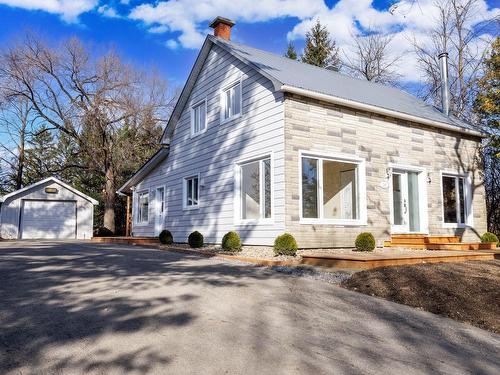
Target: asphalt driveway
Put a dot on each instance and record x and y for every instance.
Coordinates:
(81, 308)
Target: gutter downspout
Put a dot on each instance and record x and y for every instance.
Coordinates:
(375, 109)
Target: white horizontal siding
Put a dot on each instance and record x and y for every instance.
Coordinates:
(258, 131)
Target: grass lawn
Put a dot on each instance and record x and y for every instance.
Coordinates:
(467, 292)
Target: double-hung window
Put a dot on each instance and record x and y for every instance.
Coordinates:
(199, 118)
(191, 192)
(142, 207)
(332, 190)
(455, 200)
(255, 189)
(231, 101)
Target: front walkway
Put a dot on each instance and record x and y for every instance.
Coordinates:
(75, 308)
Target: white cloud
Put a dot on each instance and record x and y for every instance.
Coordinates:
(191, 17)
(69, 10)
(108, 11)
(172, 44)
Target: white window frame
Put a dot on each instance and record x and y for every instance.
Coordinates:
(193, 106)
(237, 190)
(138, 208)
(361, 177)
(469, 217)
(423, 199)
(223, 103)
(184, 192)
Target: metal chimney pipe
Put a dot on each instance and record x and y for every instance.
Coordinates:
(445, 88)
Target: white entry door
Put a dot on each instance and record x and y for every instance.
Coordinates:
(160, 209)
(406, 196)
(48, 219)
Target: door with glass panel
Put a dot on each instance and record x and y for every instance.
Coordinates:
(160, 209)
(405, 202)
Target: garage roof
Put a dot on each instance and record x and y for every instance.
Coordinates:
(53, 179)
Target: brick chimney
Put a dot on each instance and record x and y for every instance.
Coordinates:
(222, 27)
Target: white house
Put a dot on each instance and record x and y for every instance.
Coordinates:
(48, 209)
(262, 144)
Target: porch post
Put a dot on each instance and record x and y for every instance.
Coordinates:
(127, 219)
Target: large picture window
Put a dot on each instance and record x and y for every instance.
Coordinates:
(191, 192)
(231, 101)
(255, 189)
(331, 189)
(454, 199)
(143, 207)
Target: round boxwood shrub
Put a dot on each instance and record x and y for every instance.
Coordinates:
(489, 237)
(166, 237)
(365, 242)
(231, 241)
(195, 239)
(285, 245)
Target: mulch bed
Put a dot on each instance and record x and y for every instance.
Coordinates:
(468, 292)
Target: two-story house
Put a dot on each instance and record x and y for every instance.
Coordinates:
(262, 144)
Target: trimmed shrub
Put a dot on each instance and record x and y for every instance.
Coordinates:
(231, 241)
(365, 242)
(285, 245)
(166, 237)
(103, 232)
(489, 237)
(195, 239)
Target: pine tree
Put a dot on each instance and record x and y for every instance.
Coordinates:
(291, 53)
(321, 50)
(42, 157)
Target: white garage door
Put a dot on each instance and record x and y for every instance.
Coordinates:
(48, 220)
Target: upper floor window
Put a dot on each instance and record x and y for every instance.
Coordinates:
(231, 101)
(199, 118)
(143, 207)
(191, 192)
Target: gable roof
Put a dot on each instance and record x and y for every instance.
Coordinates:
(144, 170)
(53, 179)
(307, 80)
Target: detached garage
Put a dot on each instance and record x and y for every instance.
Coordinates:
(49, 209)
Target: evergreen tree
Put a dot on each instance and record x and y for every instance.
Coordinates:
(42, 157)
(290, 52)
(321, 50)
(487, 107)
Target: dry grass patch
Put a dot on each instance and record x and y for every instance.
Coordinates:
(467, 292)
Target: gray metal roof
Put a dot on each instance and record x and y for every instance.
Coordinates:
(311, 78)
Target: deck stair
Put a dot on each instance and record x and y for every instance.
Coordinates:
(127, 240)
(424, 242)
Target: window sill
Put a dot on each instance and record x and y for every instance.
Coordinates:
(255, 222)
(229, 119)
(190, 208)
(456, 226)
(342, 223)
(144, 224)
(195, 135)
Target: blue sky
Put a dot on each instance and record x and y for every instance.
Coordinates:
(166, 34)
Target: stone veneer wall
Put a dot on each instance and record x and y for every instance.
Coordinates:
(317, 126)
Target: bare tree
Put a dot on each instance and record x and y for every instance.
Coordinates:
(456, 34)
(91, 101)
(15, 129)
(371, 59)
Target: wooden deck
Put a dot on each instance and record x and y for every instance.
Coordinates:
(421, 241)
(370, 260)
(127, 240)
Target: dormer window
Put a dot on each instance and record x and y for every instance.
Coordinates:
(231, 101)
(199, 118)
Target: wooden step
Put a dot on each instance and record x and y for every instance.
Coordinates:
(127, 240)
(416, 240)
(462, 246)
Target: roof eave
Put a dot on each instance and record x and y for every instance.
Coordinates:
(378, 110)
(146, 168)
